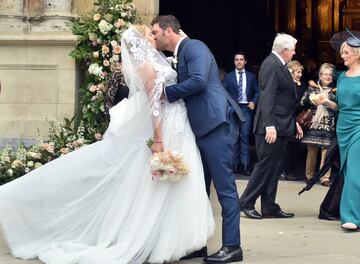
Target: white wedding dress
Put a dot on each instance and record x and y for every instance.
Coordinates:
(99, 204)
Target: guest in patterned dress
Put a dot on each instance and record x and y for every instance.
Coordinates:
(322, 130)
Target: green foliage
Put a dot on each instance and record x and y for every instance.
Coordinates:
(99, 34)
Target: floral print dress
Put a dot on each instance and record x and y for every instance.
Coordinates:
(325, 131)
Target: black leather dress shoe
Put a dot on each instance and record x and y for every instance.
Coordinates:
(225, 255)
(201, 253)
(291, 177)
(252, 213)
(327, 216)
(278, 214)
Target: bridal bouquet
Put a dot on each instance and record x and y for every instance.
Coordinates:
(168, 166)
(316, 98)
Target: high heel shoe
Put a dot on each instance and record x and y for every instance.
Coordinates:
(349, 226)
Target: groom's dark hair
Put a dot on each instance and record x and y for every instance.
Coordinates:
(167, 21)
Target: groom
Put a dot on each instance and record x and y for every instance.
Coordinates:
(209, 115)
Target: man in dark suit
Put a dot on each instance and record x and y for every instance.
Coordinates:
(209, 115)
(274, 123)
(243, 88)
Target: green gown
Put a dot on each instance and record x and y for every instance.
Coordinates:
(348, 133)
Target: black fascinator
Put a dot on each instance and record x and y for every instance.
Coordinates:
(352, 38)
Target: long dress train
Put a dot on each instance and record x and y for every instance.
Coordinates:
(99, 204)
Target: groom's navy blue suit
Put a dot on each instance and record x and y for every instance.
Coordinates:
(210, 118)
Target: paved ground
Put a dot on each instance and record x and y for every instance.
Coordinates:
(303, 239)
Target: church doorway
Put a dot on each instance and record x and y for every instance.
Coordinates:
(227, 26)
(250, 25)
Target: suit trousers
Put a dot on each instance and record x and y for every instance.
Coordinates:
(216, 149)
(242, 146)
(264, 178)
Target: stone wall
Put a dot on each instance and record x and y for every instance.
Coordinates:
(38, 78)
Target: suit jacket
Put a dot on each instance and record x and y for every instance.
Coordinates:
(277, 98)
(252, 88)
(200, 87)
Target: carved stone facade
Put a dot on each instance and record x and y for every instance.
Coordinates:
(38, 78)
(352, 14)
(35, 15)
(314, 24)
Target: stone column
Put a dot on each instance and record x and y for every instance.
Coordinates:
(56, 13)
(11, 16)
(149, 9)
(84, 6)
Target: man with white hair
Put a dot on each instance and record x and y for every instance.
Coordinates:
(274, 123)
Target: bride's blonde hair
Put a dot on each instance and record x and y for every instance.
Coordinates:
(141, 28)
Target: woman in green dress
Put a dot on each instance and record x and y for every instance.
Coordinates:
(348, 132)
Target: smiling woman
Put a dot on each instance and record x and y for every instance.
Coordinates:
(348, 133)
(322, 130)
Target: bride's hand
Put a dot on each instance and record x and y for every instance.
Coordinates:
(157, 147)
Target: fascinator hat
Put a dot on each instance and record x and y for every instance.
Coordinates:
(352, 38)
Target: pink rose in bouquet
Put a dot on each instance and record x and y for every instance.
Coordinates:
(168, 166)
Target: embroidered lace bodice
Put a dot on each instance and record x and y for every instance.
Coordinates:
(174, 113)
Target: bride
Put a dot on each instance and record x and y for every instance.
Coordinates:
(99, 204)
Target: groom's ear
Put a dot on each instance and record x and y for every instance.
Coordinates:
(169, 30)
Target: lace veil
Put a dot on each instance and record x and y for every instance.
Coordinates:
(145, 71)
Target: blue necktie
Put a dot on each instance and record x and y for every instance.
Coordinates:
(240, 84)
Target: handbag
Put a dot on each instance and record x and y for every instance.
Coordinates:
(304, 118)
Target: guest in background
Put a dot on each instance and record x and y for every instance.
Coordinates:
(322, 130)
(296, 70)
(274, 123)
(243, 88)
(117, 90)
(294, 148)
